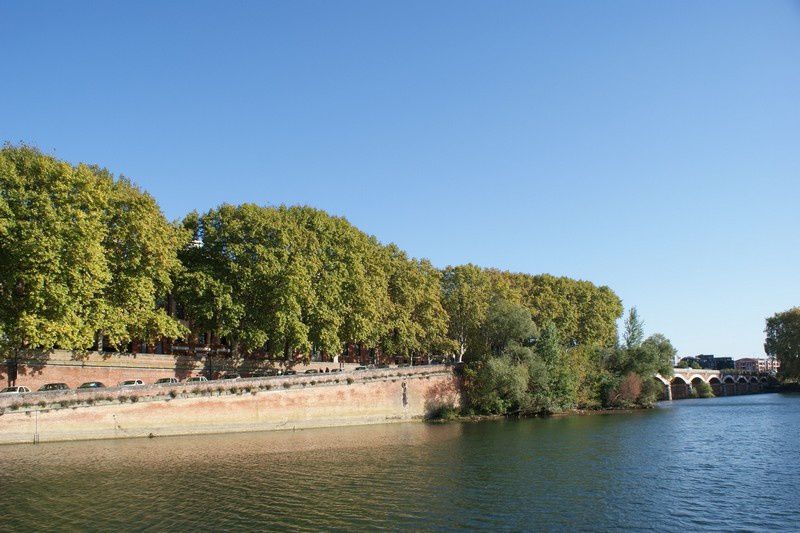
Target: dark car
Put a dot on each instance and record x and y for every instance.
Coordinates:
(264, 372)
(360, 368)
(53, 386)
(312, 371)
(92, 385)
(289, 372)
(382, 365)
(231, 375)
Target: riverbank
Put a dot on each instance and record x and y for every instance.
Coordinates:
(296, 402)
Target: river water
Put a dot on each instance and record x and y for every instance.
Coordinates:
(719, 464)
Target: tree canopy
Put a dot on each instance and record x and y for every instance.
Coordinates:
(783, 341)
(81, 253)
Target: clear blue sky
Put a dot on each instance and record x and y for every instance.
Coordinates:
(650, 146)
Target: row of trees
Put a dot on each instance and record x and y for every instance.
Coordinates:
(85, 256)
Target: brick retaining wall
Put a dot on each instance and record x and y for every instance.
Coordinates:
(293, 402)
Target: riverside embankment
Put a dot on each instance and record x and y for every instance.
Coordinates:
(291, 402)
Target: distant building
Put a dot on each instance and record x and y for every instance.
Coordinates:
(709, 361)
(757, 364)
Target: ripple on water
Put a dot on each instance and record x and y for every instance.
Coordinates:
(710, 465)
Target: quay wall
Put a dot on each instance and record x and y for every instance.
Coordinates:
(282, 403)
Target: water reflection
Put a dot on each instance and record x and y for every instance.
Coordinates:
(638, 470)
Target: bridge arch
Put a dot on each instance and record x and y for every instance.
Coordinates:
(697, 377)
(661, 379)
(741, 379)
(714, 380)
(753, 379)
(764, 379)
(729, 379)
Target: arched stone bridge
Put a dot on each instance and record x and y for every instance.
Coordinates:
(683, 381)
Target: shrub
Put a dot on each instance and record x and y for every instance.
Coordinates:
(122, 399)
(42, 404)
(173, 394)
(350, 381)
(312, 382)
(64, 403)
(287, 385)
(442, 412)
(134, 399)
(267, 386)
(704, 390)
(14, 406)
(90, 401)
(234, 390)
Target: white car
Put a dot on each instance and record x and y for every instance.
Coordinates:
(15, 390)
(167, 381)
(196, 379)
(132, 383)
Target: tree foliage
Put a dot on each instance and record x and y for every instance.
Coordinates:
(783, 341)
(81, 253)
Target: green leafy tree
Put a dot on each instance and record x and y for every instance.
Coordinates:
(496, 386)
(634, 330)
(507, 322)
(561, 387)
(466, 293)
(81, 253)
(783, 341)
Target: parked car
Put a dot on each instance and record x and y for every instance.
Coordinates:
(15, 390)
(382, 365)
(92, 385)
(360, 368)
(265, 372)
(289, 372)
(334, 370)
(53, 386)
(312, 371)
(196, 379)
(231, 375)
(167, 381)
(132, 383)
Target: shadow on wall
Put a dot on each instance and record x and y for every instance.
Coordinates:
(443, 399)
(27, 363)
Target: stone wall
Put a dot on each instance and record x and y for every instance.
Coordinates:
(370, 397)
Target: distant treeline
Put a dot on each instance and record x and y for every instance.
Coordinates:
(85, 255)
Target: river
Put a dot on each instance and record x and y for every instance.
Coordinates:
(718, 464)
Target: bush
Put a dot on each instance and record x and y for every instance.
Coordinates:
(173, 394)
(287, 385)
(350, 381)
(122, 399)
(496, 386)
(703, 390)
(442, 412)
(42, 404)
(134, 399)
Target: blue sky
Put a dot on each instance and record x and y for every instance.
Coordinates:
(650, 146)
